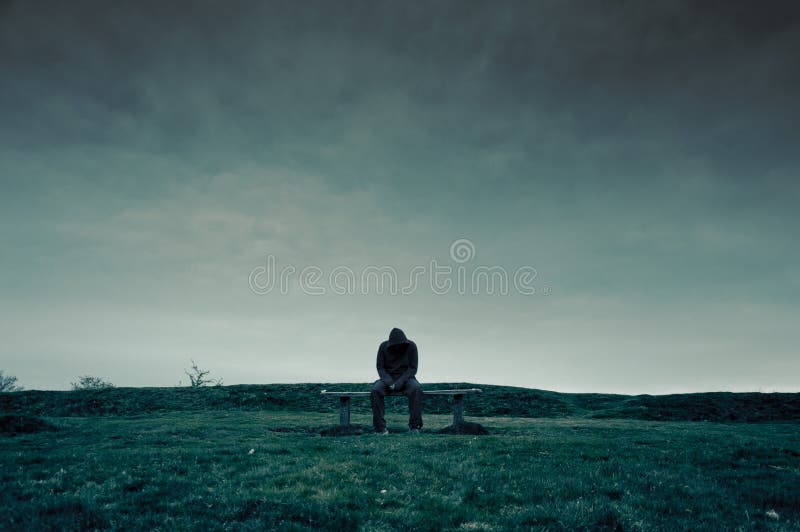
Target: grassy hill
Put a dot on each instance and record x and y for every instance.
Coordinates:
(495, 401)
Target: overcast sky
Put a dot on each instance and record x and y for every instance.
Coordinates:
(642, 157)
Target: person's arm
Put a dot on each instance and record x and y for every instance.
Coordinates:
(379, 364)
(413, 359)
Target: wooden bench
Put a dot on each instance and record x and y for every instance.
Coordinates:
(458, 401)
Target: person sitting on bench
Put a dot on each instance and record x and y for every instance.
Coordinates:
(397, 368)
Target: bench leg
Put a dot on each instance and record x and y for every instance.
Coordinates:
(344, 411)
(458, 409)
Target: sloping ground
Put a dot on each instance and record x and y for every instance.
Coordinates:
(495, 401)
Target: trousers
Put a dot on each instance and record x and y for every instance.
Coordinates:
(411, 389)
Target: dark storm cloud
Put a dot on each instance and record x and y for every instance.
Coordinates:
(571, 99)
(713, 79)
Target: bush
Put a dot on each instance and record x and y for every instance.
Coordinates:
(198, 377)
(8, 383)
(89, 382)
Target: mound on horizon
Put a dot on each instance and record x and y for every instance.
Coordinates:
(11, 425)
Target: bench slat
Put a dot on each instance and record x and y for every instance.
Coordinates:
(424, 392)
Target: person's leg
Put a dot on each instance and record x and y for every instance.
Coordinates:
(376, 397)
(413, 391)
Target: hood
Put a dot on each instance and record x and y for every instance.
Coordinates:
(397, 337)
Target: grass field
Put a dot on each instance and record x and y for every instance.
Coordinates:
(195, 470)
(250, 470)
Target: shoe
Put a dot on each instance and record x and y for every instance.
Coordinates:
(383, 432)
(413, 431)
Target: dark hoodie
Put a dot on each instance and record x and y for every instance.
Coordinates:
(397, 359)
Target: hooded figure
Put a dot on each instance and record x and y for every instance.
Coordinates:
(397, 368)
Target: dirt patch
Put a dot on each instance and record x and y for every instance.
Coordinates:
(336, 430)
(296, 430)
(465, 427)
(349, 430)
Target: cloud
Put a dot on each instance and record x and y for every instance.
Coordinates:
(640, 156)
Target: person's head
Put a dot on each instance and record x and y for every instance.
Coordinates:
(397, 338)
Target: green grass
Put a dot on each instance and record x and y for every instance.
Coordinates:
(193, 470)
